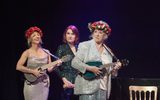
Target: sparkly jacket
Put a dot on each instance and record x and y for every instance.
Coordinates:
(87, 52)
(65, 70)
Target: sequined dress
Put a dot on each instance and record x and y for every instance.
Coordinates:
(39, 89)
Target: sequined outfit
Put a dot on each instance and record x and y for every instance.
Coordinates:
(65, 70)
(39, 89)
(97, 89)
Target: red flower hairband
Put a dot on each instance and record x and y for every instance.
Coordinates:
(33, 29)
(100, 25)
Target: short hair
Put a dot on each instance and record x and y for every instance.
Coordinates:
(29, 32)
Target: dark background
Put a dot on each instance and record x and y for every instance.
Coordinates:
(135, 35)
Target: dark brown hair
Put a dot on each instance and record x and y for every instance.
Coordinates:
(75, 31)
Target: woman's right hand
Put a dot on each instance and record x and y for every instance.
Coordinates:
(95, 70)
(36, 72)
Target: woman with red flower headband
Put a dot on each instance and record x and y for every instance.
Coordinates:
(93, 82)
(35, 57)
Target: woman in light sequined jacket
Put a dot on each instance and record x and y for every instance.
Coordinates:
(94, 52)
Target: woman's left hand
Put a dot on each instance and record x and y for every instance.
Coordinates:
(59, 62)
(67, 84)
(117, 66)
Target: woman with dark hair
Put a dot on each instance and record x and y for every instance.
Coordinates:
(68, 73)
(36, 85)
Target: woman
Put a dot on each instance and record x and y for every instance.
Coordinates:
(35, 57)
(68, 73)
(89, 54)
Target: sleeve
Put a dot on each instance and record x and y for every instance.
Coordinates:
(78, 60)
(59, 53)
